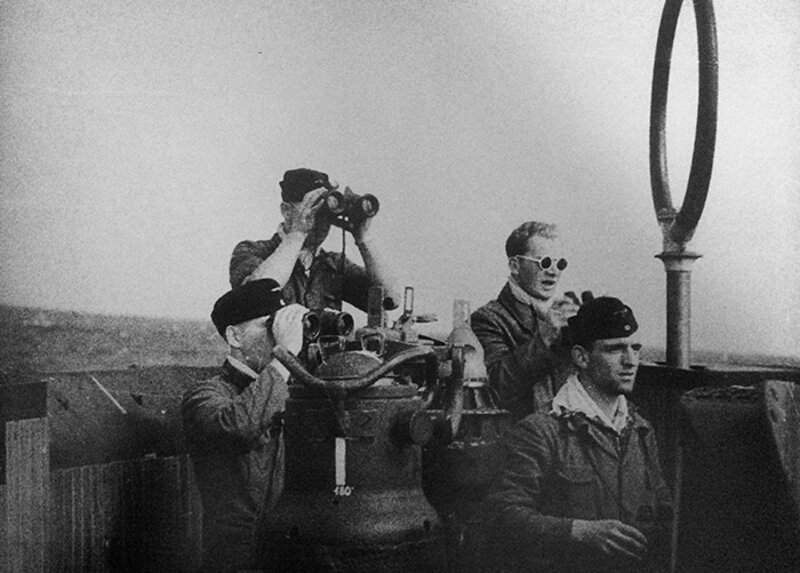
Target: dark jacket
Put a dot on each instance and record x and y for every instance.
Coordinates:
(562, 467)
(233, 429)
(524, 372)
(331, 279)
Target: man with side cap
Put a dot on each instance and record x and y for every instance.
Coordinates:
(233, 422)
(582, 489)
(294, 258)
(521, 328)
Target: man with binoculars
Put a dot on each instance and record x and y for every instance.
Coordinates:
(232, 422)
(293, 257)
(582, 489)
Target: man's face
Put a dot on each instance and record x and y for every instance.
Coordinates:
(255, 342)
(611, 364)
(534, 280)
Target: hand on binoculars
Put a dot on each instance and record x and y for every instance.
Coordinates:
(359, 227)
(561, 308)
(301, 218)
(287, 327)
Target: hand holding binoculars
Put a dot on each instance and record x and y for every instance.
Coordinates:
(347, 208)
(586, 296)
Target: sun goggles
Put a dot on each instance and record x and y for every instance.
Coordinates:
(546, 262)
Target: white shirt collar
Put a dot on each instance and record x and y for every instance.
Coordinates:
(573, 397)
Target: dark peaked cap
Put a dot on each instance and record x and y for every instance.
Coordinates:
(246, 302)
(601, 318)
(297, 182)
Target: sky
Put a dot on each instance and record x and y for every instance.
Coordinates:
(140, 141)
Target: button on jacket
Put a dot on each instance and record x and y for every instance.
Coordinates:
(565, 466)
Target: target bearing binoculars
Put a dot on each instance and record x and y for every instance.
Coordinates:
(347, 206)
(326, 322)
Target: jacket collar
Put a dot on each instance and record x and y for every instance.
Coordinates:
(585, 428)
(237, 376)
(580, 422)
(573, 397)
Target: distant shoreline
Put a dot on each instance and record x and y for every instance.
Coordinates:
(47, 340)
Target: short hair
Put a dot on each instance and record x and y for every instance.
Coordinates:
(517, 242)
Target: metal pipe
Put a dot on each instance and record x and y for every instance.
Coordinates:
(678, 318)
(679, 311)
(678, 227)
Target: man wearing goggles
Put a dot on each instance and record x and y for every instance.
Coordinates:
(520, 327)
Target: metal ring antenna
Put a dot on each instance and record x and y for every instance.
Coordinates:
(679, 228)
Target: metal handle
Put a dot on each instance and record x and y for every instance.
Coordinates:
(344, 386)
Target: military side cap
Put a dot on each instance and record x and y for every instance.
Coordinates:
(297, 182)
(246, 302)
(601, 318)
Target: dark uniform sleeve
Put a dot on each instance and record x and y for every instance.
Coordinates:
(512, 371)
(211, 415)
(516, 503)
(246, 257)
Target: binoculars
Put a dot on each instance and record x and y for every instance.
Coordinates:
(348, 206)
(326, 322)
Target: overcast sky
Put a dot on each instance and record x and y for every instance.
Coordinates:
(141, 140)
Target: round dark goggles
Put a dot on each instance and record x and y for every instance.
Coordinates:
(547, 262)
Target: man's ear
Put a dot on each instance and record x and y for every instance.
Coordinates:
(513, 266)
(580, 356)
(232, 336)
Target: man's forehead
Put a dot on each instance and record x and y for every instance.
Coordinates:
(621, 341)
(538, 244)
(257, 321)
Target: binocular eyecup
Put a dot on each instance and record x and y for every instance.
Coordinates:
(326, 322)
(350, 205)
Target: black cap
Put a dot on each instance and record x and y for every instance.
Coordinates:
(243, 303)
(297, 182)
(601, 318)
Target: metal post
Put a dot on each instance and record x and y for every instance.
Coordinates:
(679, 311)
(678, 227)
